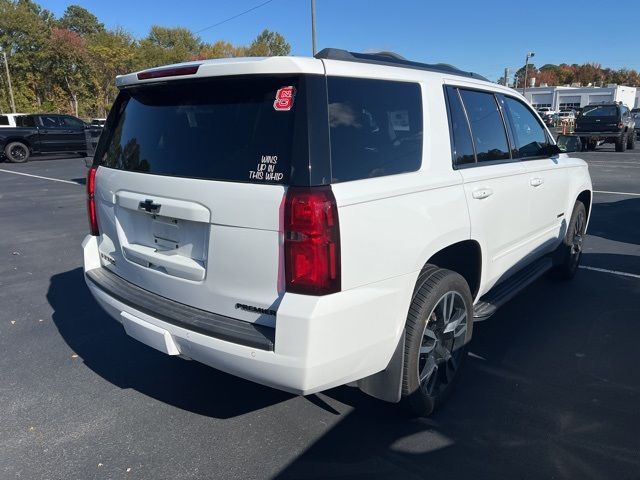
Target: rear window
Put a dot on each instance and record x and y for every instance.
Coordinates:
(375, 127)
(600, 111)
(240, 129)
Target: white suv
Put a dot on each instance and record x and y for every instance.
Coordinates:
(306, 223)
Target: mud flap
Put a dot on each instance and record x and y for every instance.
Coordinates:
(387, 384)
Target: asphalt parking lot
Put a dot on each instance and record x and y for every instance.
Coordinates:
(551, 390)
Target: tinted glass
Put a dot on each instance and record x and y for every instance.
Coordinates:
(462, 145)
(51, 121)
(25, 121)
(4, 120)
(530, 137)
(486, 124)
(375, 128)
(600, 111)
(71, 122)
(222, 128)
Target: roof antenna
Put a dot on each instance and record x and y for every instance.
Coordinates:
(313, 27)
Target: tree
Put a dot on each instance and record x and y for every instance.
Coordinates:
(219, 49)
(111, 53)
(166, 45)
(24, 33)
(68, 57)
(268, 44)
(81, 21)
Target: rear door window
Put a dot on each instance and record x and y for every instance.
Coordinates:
(4, 120)
(487, 126)
(25, 121)
(375, 127)
(240, 129)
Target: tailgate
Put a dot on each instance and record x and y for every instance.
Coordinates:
(190, 189)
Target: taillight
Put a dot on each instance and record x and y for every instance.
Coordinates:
(91, 201)
(312, 241)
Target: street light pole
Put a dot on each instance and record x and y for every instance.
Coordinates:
(313, 26)
(526, 70)
(6, 66)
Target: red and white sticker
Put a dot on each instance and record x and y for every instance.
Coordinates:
(284, 99)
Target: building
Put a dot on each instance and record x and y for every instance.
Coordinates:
(577, 97)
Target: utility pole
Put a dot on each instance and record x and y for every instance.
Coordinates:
(313, 26)
(6, 66)
(506, 77)
(526, 70)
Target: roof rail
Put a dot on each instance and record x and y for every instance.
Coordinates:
(392, 59)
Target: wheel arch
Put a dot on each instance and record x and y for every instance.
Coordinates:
(463, 257)
(23, 140)
(585, 196)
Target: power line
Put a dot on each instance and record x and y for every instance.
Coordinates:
(235, 16)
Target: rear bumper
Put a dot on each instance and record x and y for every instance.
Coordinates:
(318, 342)
(599, 134)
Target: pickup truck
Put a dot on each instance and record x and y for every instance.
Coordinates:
(47, 133)
(606, 123)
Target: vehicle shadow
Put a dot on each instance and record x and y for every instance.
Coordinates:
(550, 390)
(614, 220)
(105, 348)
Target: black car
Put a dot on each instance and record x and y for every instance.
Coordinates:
(47, 133)
(607, 123)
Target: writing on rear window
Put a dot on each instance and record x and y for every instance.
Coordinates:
(266, 169)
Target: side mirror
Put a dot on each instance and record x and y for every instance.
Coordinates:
(569, 143)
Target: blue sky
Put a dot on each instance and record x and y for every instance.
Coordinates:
(482, 36)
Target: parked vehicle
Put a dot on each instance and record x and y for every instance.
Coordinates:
(606, 123)
(543, 111)
(566, 115)
(9, 119)
(45, 133)
(300, 222)
(98, 122)
(636, 119)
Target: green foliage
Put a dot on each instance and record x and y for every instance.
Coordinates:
(69, 64)
(268, 44)
(80, 20)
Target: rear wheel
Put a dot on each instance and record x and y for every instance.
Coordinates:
(17, 152)
(570, 250)
(621, 143)
(439, 327)
(631, 142)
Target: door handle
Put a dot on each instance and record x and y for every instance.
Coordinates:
(536, 182)
(482, 193)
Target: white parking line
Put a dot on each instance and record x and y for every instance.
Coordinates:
(618, 193)
(614, 272)
(38, 176)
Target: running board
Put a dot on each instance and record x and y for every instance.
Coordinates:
(509, 288)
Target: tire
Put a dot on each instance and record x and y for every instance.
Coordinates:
(631, 141)
(17, 152)
(621, 143)
(568, 255)
(436, 336)
(592, 145)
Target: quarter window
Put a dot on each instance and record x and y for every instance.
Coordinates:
(487, 126)
(530, 138)
(462, 144)
(375, 127)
